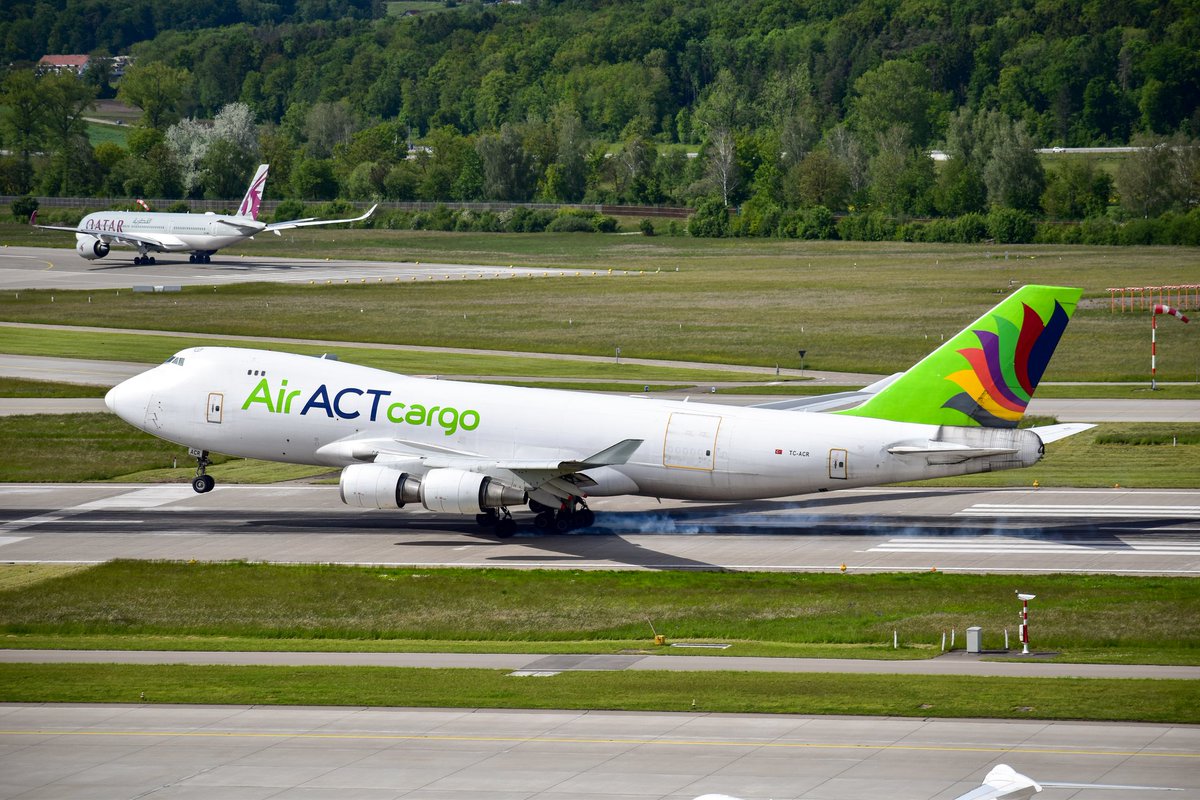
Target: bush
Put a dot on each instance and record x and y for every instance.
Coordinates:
(873, 227)
(606, 224)
(1010, 226)
(571, 223)
(646, 227)
(970, 228)
(23, 208)
(288, 210)
(710, 221)
(526, 220)
(1098, 230)
(179, 207)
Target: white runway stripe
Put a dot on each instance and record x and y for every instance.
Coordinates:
(1015, 510)
(1142, 547)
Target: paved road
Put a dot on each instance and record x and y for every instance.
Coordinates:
(252, 752)
(955, 663)
(882, 529)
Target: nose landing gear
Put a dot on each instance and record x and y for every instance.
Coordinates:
(203, 482)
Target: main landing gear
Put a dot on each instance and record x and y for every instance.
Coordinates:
(203, 482)
(571, 515)
(199, 258)
(142, 260)
(502, 520)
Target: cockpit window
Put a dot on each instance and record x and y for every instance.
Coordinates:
(174, 360)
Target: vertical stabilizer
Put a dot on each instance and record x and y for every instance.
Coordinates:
(253, 198)
(985, 376)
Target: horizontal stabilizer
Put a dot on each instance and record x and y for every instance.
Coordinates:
(949, 448)
(1052, 433)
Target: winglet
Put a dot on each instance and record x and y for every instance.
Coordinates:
(986, 374)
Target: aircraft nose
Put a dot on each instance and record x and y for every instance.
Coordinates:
(128, 400)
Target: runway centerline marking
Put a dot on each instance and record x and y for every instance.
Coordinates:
(402, 737)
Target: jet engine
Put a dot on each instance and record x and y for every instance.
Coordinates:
(452, 491)
(91, 250)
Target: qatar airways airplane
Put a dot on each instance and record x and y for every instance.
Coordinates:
(482, 449)
(201, 235)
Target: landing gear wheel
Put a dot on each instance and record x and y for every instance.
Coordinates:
(203, 482)
(585, 518)
(505, 527)
(544, 520)
(137, 261)
(487, 519)
(192, 258)
(564, 521)
(151, 259)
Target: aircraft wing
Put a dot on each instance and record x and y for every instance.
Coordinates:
(275, 227)
(548, 480)
(134, 239)
(829, 402)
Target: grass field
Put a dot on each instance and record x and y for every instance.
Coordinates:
(735, 692)
(1130, 619)
(864, 307)
(154, 349)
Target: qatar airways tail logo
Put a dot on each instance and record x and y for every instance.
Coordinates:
(106, 225)
(253, 198)
(352, 403)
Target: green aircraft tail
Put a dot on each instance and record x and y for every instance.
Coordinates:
(985, 376)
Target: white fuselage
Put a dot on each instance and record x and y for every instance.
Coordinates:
(301, 409)
(176, 232)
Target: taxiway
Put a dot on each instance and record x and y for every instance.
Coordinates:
(51, 268)
(250, 752)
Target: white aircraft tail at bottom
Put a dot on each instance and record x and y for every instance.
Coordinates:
(1005, 783)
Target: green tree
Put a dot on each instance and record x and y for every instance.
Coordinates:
(711, 219)
(1013, 173)
(1077, 189)
(23, 122)
(509, 171)
(65, 98)
(818, 180)
(896, 93)
(157, 89)
(225, 169)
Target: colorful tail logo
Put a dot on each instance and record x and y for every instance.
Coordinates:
(253, 198)
(985, 375)
(1006, 367)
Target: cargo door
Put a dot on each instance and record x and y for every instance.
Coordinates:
(691, 442)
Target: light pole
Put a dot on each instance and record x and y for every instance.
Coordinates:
(802, 353)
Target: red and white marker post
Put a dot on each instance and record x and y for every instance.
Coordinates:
(1025, 598)
(1159, 308)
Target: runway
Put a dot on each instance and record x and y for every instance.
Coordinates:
(867, 530)
(51, 268)
(250, 752)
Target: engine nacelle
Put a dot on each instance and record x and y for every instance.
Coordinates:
(456, 491)
(452, 491)
(376, 486)
(91, 249)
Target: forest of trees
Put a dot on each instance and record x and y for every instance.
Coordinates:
(785, 107)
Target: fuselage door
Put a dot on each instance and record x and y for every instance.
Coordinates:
(691, 442)
(837, 464)
(216, 402)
